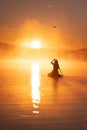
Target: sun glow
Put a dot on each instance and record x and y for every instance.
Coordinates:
(36, 44)
(35, 83)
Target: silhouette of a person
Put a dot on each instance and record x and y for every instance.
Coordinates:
(56, 67)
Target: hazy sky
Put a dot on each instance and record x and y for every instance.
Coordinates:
(69, 16)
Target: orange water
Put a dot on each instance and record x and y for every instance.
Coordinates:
(30, 100)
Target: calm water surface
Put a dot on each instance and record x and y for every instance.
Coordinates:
(30, 100)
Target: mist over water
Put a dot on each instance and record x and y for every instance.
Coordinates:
(29, 99)
(32, 34)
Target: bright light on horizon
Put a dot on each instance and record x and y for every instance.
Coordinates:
(36, 44)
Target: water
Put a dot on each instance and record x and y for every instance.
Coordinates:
(30, 100)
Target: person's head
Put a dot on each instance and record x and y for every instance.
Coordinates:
(56, 61)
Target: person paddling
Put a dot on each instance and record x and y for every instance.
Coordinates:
(56, 67)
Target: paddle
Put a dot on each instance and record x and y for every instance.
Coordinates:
(60, 71)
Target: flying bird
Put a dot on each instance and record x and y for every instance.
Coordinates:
(54, 26)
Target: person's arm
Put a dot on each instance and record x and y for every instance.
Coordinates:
(52, 62)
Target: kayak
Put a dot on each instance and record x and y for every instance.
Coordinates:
(52, 75)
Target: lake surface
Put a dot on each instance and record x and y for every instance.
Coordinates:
(30, 100)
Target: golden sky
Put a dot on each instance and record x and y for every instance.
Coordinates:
(24, 21)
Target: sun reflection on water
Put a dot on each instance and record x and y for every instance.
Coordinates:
(35, 82)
